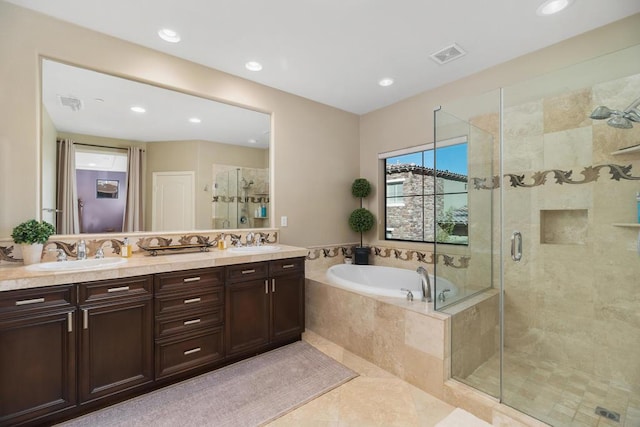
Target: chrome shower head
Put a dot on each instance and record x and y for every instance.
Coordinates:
(618, 119)
(601, 112)
(620, 122)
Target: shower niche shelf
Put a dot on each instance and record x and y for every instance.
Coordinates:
(623, 224)
(628, 150)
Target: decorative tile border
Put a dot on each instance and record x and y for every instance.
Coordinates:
(590, 173)
(5, 254)
(69, 248)
(386, 252)
(233, 199)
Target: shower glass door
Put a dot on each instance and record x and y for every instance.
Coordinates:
(564, 249)
(571, 303)
(475, 328)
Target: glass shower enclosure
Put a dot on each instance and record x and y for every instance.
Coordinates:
(240, 197)
(564, 265)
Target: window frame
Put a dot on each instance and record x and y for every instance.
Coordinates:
(433, 147)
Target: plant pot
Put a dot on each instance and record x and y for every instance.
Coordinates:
(361, 255)
(31, 254)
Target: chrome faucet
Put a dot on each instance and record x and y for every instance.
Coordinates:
(441, 296)
(250, 238)
(426, 283)
(82, 250)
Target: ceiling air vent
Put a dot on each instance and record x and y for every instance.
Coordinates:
(447, 54)
(69, 101)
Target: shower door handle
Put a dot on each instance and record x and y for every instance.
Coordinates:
(516, 246)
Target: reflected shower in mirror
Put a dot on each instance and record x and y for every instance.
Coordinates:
(160, 152)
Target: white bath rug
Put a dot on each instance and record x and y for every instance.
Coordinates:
(461, 418)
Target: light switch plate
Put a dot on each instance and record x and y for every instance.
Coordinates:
(283, 221)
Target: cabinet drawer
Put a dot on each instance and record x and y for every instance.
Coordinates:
(115, 288)
(189, 302)
(285, 266)
(252, 271)
(23, 302)
(189, 280)
(176, 356)
(185, 323)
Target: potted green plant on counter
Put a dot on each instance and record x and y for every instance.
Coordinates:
(361, 220)
(32, 235)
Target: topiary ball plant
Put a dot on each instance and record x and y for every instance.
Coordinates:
(360, 188)
(361, 220)
(32, 232)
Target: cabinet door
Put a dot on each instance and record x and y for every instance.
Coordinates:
(37, 366)
(116, 347)
(287, 306)
(247, 316)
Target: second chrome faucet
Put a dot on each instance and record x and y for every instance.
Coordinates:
(426, 283)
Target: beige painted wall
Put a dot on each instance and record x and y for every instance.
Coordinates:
(410, 122)
(315, 147)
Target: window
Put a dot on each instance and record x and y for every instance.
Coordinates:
(426, 193)
(394, 192)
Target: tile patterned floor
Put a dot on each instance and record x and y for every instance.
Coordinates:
(556, 395)
(375, 398)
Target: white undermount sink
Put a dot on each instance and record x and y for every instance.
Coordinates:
(84, 264)
(254, 249)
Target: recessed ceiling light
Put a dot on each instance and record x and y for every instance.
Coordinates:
(252, 141)
(549, 7)
(195, 120)
(137, 109)
(169, 35)
(253, 66)
(385, 82)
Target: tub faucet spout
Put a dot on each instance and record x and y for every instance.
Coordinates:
(426, 283)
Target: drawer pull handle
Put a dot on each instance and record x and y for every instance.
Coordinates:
(30, 301)
(69, 322)
(192, 300)
(191, 322)
(85, 319)
(288, 266)
(191, 279)
(273, 286)
(266, 286)
(248, 271)
(120, 289)
(194, 350)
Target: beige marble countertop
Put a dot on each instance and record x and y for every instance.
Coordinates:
(19, 277)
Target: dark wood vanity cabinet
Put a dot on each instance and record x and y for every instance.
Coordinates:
(265, 305)
(189, 318)
(116, 336)
(68, 349)
(37, 353)
(287, 299)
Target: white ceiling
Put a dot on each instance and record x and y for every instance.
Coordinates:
(335, 51)
(106, 110)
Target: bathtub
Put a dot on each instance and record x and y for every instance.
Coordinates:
(386, 281)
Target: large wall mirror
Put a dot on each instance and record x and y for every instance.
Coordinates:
(121, 156)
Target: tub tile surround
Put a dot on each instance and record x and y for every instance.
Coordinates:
(382, 330)
(406, 339)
